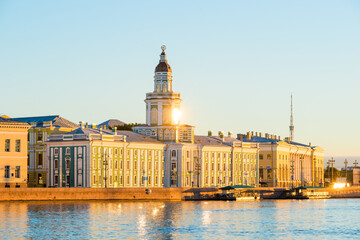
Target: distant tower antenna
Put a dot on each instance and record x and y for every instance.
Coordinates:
(291, 122)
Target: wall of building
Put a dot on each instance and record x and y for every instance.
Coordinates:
(13, 163)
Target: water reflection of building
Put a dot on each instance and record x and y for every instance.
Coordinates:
(285, 163)
(193, 160)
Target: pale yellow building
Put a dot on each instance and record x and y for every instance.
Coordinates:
(284, 163)
(13, 153)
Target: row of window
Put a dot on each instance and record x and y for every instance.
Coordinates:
(9, 175)
(226, 155)
(143, 180)
(117, 152)
(8, 145)
(119, 164)
(39, 136)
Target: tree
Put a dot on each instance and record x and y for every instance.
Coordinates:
(328, 173)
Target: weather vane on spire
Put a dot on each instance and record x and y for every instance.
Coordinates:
(163, 47)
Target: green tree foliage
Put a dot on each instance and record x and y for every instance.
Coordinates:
(332, 173)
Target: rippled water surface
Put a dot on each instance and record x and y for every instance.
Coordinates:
(308, 219)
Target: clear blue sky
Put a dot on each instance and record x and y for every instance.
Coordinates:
(235, 64)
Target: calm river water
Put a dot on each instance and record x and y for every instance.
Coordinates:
(307, 219)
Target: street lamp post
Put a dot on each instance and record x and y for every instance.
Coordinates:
(356, 164)
(332, 162)
(346, 162)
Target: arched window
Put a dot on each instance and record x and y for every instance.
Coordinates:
(67, 163)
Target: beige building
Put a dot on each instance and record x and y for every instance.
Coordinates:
(13, 153)
(284, 163)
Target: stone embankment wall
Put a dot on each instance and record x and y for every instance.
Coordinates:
(29, 194)
(347, 192)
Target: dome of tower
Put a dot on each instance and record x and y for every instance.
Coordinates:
(163, 65)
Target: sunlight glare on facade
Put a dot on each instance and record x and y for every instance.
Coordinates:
(176, 116)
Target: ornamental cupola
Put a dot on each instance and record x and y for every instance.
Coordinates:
(163, 74)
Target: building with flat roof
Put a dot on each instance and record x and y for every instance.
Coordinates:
(13, 153)
(285, 163)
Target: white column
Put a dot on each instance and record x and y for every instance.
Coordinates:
(159, 113)
(148, 113)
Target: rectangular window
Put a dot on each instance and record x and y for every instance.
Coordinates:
(40, 159)
(173, 166)
(67, 151)
(56, 180)
(127, 165)
(261, 157)
(135, 164)
(56, 164)
(17, 171)
(121, 180)
(156, 180)
(156, 166)
(56, 151)
(17, 145)
(67, 162)
(269, 156)
(134, 180)
(67, 179)
(149, 165)
(188, 166)
(7, 171)
(94, 179)
(7, 145)
(39, 136)
(149, 180)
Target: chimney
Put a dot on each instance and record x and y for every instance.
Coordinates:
(261, 135)
(114, 130)
(240, 137)
(81, 124)
(230, 134)
(279, 138)
(309, 144)
(221, 135)
(86, 125)
(248, 137)
(210, 133)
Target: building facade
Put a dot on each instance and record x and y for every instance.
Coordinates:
(190, 160)
(284, 163)
(92, 157)
(13, 153)
(41, 128)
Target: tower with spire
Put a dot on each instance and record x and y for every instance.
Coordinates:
(291, 127)
(163, 108)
